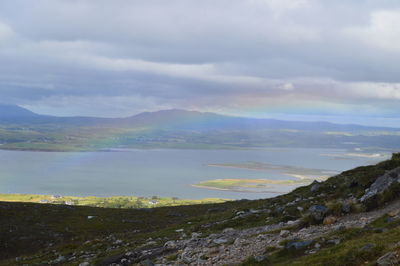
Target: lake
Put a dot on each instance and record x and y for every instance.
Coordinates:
(157, 172)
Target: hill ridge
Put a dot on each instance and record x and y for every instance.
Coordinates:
(17, 114)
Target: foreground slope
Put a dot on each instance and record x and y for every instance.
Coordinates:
(350, 219)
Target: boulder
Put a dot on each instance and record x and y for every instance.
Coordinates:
(260, 258)
(220, 241)
(315, 186)
(298, 244)
(329, 220)
(346, 206)
(228, 231)
(318, 212)
(381, 184)
(394, 213)
(334, 241)
(196, 235)
(170, 245)
(284, 233)
(368, 247)
(389, 259)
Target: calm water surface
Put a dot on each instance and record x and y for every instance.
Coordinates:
(152, 172)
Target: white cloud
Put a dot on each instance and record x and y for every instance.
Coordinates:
(201, 54)
(6, 33)
(383, 91)
(383, 31)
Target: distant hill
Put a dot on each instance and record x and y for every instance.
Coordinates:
(8, 112)
(176, 119)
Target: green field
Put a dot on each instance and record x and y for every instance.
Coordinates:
(106, 202)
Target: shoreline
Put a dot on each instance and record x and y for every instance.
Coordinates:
(235, 190)
(251, 185)
(295, 175)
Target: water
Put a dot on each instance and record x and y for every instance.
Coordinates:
(153, 172)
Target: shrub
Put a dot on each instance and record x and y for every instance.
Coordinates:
(335, 207)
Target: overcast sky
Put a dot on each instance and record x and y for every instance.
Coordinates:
(300, 59)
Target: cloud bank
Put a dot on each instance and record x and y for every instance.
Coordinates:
(249, 57)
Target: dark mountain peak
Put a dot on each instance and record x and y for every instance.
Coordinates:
(15, 111)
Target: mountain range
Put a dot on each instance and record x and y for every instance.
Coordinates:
(176, 119)
(22, 129)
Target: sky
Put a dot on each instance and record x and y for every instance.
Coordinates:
(289, 59)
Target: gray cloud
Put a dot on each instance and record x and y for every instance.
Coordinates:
(227, 55)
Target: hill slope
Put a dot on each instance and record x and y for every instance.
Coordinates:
(350, 219)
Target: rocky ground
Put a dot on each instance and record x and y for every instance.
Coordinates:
(233, 246)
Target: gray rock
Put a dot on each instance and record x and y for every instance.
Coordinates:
(260, 258)
(220, 241)
(118, 242)
(381, 184)
(389, 259)
(228, 230)
(186, 257)
(339, 227)
(170, 245)
(315, 186)
(284, 233)
(151, 243)
(59, 259)
(84, 263)
(318, 212)
(298, 244)
(195, 235)
(292, 222)
(368, 247)
(346, 208)
(238, 241)
(333, 241)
